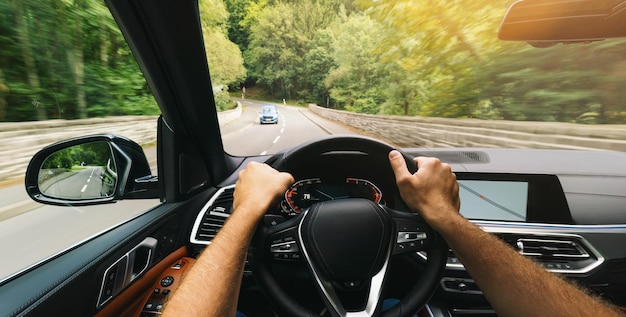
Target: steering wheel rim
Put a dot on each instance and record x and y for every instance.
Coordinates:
(437, 249)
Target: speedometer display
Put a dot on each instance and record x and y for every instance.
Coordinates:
(304, 193)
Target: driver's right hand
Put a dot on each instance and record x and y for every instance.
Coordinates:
(432, 191)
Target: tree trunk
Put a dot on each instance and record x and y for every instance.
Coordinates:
(104, 45)
(3, 91)
(114, 50)
(77, 66)
(29, 61)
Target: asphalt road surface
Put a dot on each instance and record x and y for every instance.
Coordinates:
(31, 232)
(247, 136)
(84, 184)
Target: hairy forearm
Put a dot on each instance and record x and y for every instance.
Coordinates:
(211, 288)
(513, 284)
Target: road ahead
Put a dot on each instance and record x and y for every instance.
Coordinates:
(247, 136)
(31, 232)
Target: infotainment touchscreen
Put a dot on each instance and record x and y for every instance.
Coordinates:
(494, 200)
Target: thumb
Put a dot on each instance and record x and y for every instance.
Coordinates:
(398, 165)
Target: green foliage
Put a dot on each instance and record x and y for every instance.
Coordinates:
(224, 56)
(90, 154)
(67, 59)
(225, 60)
(356, 81)
(428, 58)
(213, 15)
(289, 53)
(236, 29)
(222, 100)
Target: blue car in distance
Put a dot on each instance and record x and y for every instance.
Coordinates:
(269, 114)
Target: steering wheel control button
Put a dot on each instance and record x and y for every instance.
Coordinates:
(411, 236)
(352, 284)
(167, 281)
(460, 285)
(284, 246)
(285, 250)
(273, 220)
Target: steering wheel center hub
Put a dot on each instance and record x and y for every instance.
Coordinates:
(348, 240)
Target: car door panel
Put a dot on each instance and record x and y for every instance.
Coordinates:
(131, 301)
(70, 284)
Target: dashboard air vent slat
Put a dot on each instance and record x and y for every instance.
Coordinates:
(213, 216)
(551, 248)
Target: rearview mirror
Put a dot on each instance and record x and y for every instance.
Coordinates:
(543, 23)
(90, 170)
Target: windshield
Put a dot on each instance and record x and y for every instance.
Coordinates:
(269, 110)
(413, 73)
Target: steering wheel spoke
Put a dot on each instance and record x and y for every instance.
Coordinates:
(371, 291)
(347, 244)
(412, 234)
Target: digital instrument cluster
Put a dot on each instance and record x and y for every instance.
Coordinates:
(304, 193)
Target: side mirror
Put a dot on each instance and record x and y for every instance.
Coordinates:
(90, 170)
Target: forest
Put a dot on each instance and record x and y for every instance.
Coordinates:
(67, 59)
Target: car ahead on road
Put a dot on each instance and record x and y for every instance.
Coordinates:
(269, 114)
(562, 208)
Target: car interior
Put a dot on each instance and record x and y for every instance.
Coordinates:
(568, 212)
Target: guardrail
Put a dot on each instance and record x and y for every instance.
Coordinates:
(21, 140)
(443, 132)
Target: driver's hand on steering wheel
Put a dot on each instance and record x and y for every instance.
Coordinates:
(258, 187)
(432, 191)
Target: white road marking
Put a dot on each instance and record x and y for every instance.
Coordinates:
(263, 153)
(276, 140)
(84, 187)
(282, 130)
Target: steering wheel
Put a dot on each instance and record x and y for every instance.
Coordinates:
(347, 243)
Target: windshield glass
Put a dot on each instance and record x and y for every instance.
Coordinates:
(412, 73)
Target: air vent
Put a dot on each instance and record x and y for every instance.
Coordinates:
(558, 253)
(213, 215)
(551, 249)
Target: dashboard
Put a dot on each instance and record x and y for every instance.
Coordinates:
(569, 219)
(485, 196)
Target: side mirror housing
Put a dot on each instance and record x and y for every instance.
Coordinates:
(90, 170)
